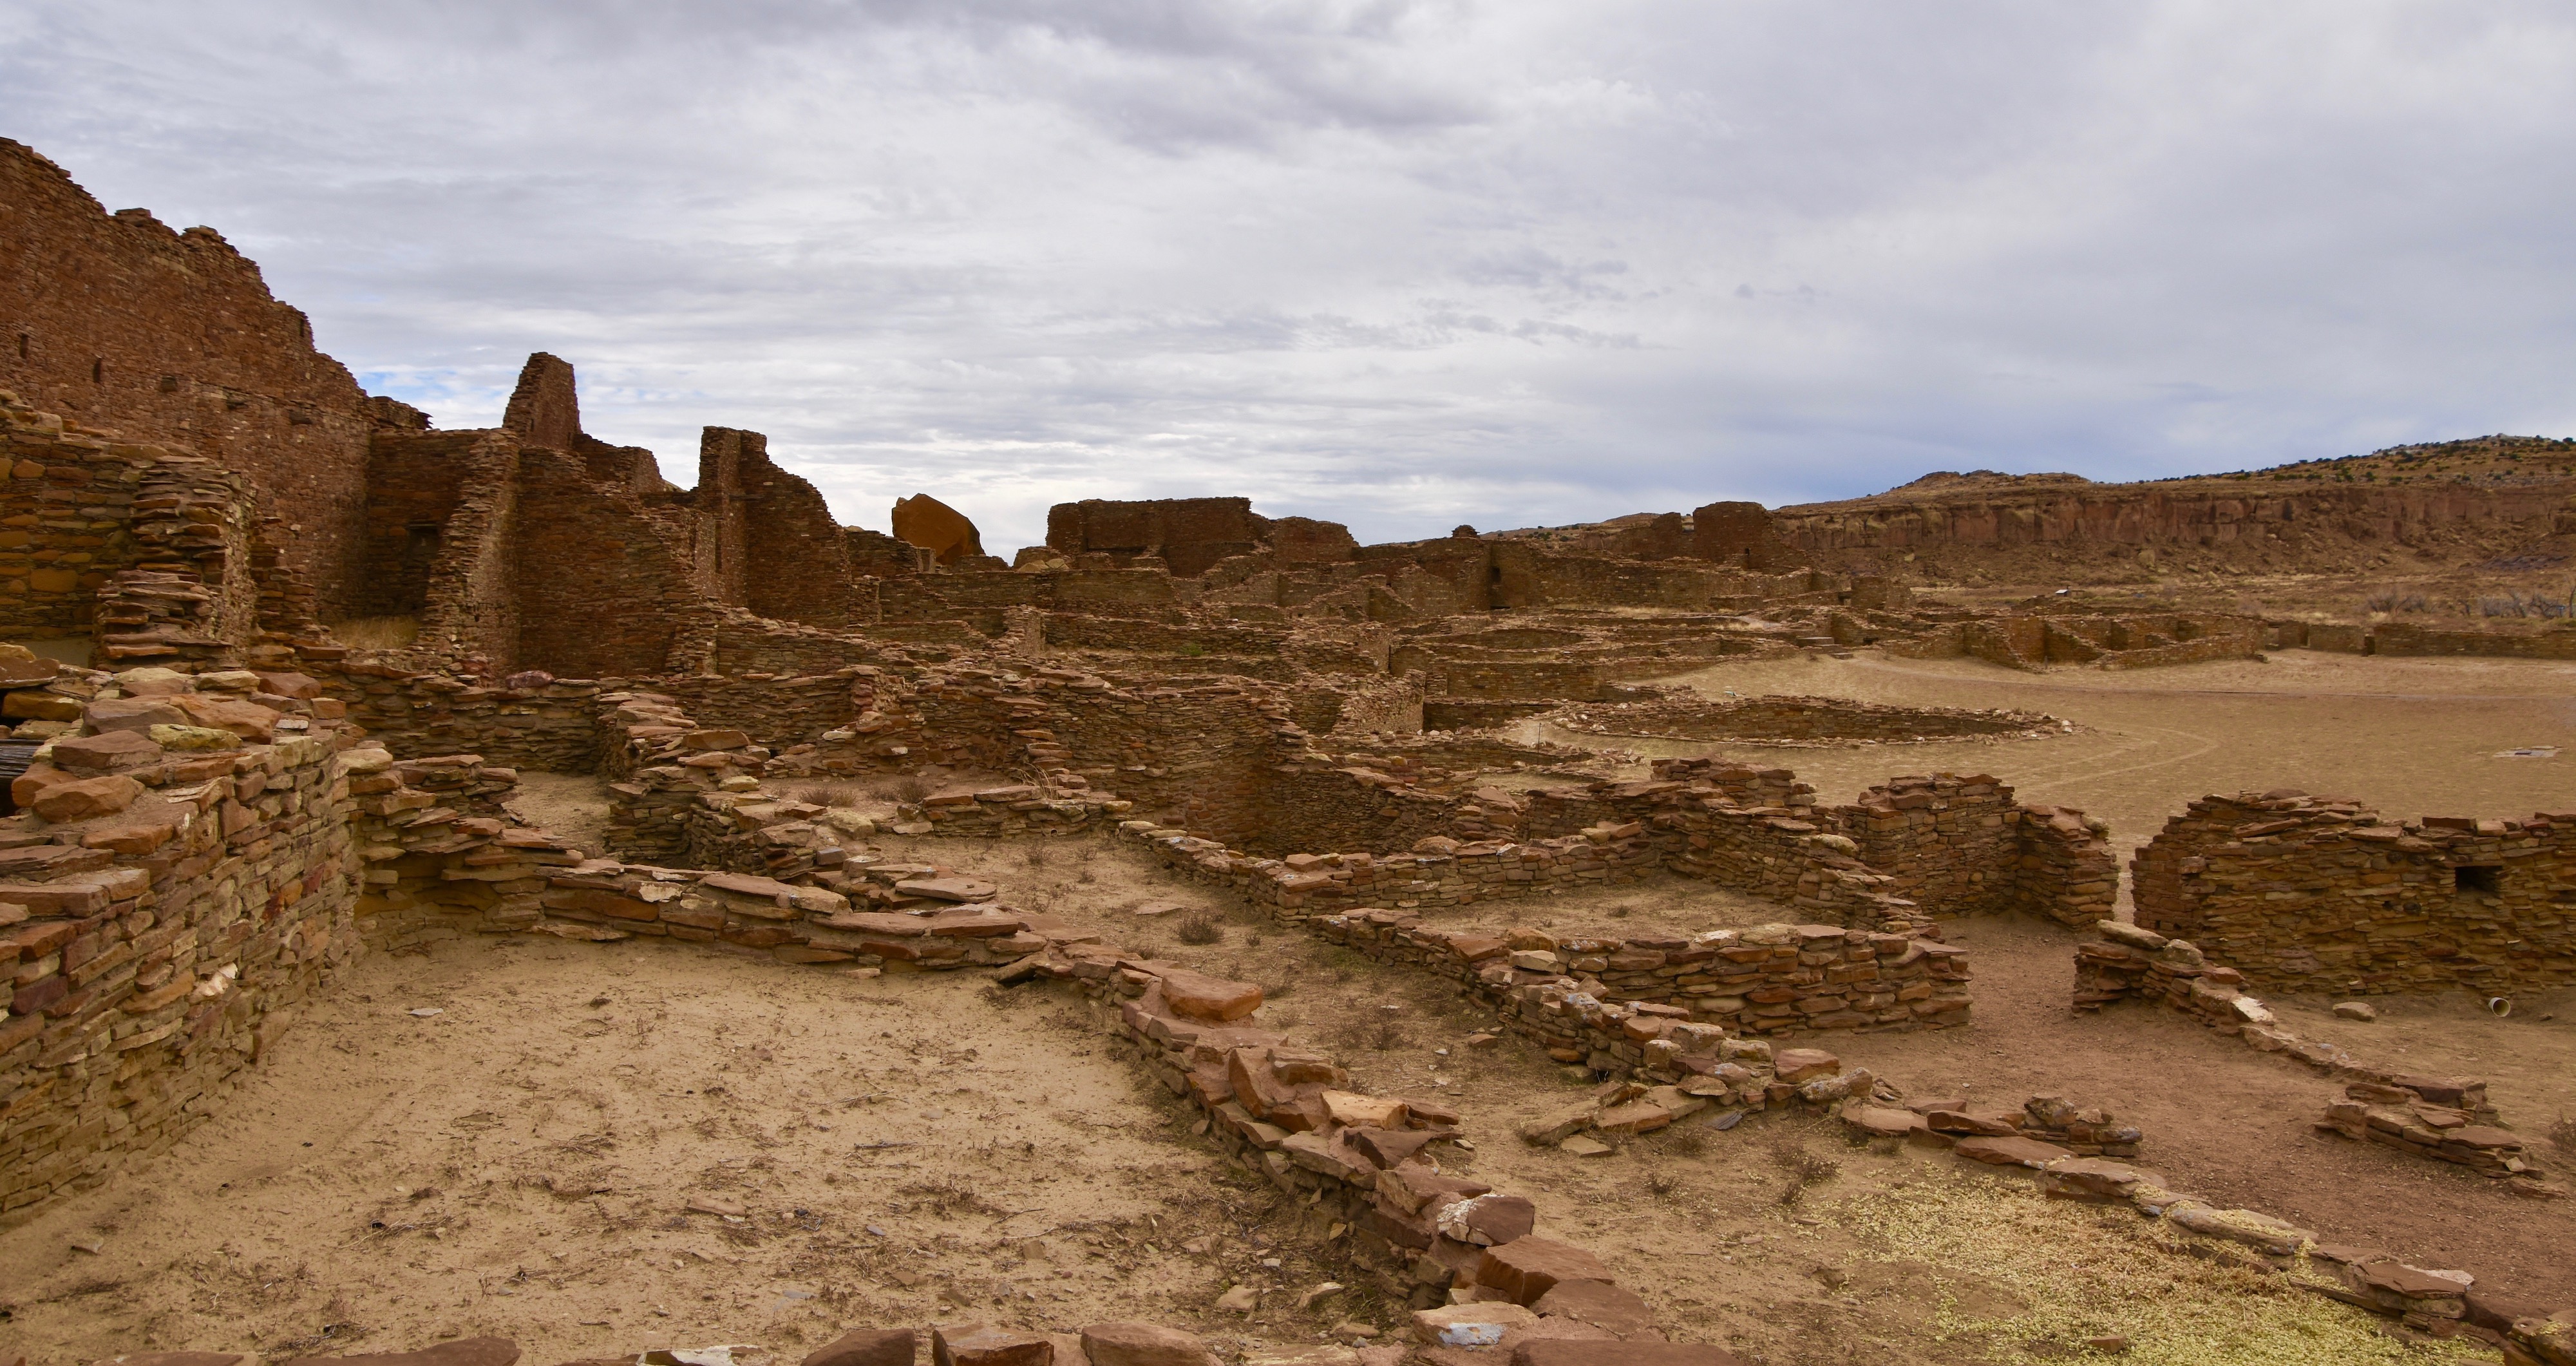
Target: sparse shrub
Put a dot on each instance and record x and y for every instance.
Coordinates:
(1804, 1168)
(1690, 1140)
(1036, 857)
(908, 788)
(827, 794)
(2562, 1136)
(1661, 1185)
(1200, 929)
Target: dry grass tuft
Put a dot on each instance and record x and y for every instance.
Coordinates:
(909, 788)
(1804, 1168)
(1200, 929)
(2562, 1136)
(828, 794)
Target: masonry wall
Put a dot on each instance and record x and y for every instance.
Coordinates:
(459, 573)
(150, 965)
(173, 339)
(601, 593)
(2303, 893)
(66, 507)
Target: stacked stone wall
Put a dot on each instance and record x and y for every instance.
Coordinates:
(442, 516)
(602, 592)
(149, 952)
(163, 535)
(1792, 718)
(173, 339)
(2305, 893)
(1769, 979)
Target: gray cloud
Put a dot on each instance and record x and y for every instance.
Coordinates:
(1402, 264)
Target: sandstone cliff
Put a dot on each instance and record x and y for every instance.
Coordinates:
(2459, 502)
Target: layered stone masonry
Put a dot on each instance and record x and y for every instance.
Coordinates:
(177, 881)
(2318, 894)
(1792, 720)
(1607, 1001)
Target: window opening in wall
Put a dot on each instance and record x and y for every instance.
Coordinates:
(420, 543)
(98, 371)
(22, 346)
(2487, 880)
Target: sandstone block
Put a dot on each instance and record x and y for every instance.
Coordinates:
(974, 1344)
(1798, 1065)
(1883, 1121)
(39, 706)
(249, 720)
(1489, 1220)
(191, 739)
(1527, 1268)
(865, 1347)
(1143, 1344)
(85, 798)
(2010, 1151)
(949, 889)
(1374, 1111)
(298, 686)
(1598, 1303)
(105, 751)
(1213, 999)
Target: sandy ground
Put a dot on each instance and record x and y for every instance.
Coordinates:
(905, 1150)
(2219, 1119)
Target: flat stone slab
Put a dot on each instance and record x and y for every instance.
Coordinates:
(948, 888)
(2010, 1151)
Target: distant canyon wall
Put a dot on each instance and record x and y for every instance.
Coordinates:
(2152, 515)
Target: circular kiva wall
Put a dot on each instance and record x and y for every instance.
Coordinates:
(1796, 720)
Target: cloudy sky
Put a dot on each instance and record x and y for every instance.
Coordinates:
(1402, 264)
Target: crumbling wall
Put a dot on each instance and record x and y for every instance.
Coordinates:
(160, 949)
(165, 535)
(601, 594)
(1741, 535)
(1189, 534)
(2303, 893)
(442, 530)
(173, 339)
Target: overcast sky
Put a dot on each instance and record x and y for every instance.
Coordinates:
(1398, 264)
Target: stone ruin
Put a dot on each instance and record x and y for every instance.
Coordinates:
(282, 650)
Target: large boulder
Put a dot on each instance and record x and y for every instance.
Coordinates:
(936, 527)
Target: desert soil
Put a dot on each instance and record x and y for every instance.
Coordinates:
(903, 1150)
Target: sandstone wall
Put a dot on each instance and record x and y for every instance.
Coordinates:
(173, 339)
(2304, 893)
(148, 955)
(602, 593)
